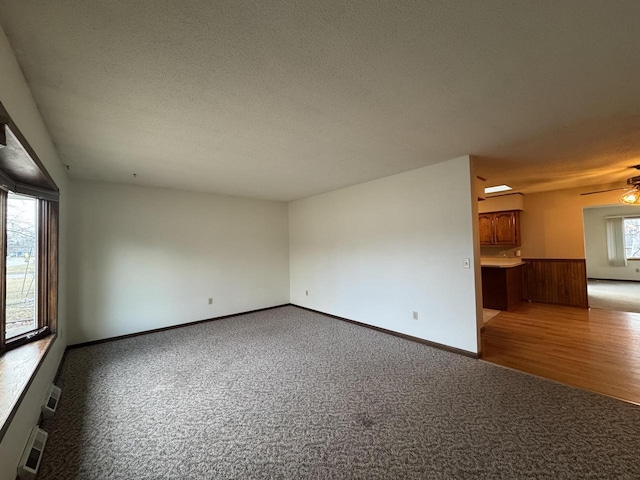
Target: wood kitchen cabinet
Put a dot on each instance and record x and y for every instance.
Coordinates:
(500, 228)
(501, 287)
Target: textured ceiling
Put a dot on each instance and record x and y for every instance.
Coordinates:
(282, 100)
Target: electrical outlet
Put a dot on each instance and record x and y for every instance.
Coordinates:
(210, 301)
(466, 263)
(306, 292)
(415, 315)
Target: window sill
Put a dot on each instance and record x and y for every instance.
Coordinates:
(18, 367)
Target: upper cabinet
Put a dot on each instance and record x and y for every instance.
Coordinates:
(486, 228)
(500, 228)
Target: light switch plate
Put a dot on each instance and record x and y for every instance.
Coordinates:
(466, 263)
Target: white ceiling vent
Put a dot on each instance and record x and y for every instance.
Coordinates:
(32, 455)
(50, 402)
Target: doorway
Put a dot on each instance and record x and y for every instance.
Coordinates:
(612, 254)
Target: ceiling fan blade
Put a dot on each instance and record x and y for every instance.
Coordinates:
(604, 191)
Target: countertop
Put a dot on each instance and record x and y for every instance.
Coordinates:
(501, 262)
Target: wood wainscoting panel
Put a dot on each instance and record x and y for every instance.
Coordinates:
(556, 280)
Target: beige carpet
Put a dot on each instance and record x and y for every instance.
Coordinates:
(614, 295)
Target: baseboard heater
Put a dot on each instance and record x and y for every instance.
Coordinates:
(32, 455)
(50, 402)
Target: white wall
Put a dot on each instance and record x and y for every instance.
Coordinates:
(378, 251)
(552, 223)
(595, 237)
(16, 97)
(144, 258)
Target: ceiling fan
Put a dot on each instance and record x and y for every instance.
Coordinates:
(632, 196)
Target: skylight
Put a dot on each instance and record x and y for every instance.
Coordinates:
(497, 188)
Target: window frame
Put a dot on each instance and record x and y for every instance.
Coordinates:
(624, 219)
(22, 172)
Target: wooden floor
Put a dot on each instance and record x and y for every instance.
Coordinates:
(594, 349)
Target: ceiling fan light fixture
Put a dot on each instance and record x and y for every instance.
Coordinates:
(631, 197)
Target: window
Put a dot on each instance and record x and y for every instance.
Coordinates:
(28, 241)
(632, 238)
(21, 265)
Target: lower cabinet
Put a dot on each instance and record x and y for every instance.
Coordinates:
(501, 287)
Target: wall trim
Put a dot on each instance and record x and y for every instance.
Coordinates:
(613, 279)
(577, 260)
(170, 327)
(429, 343)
